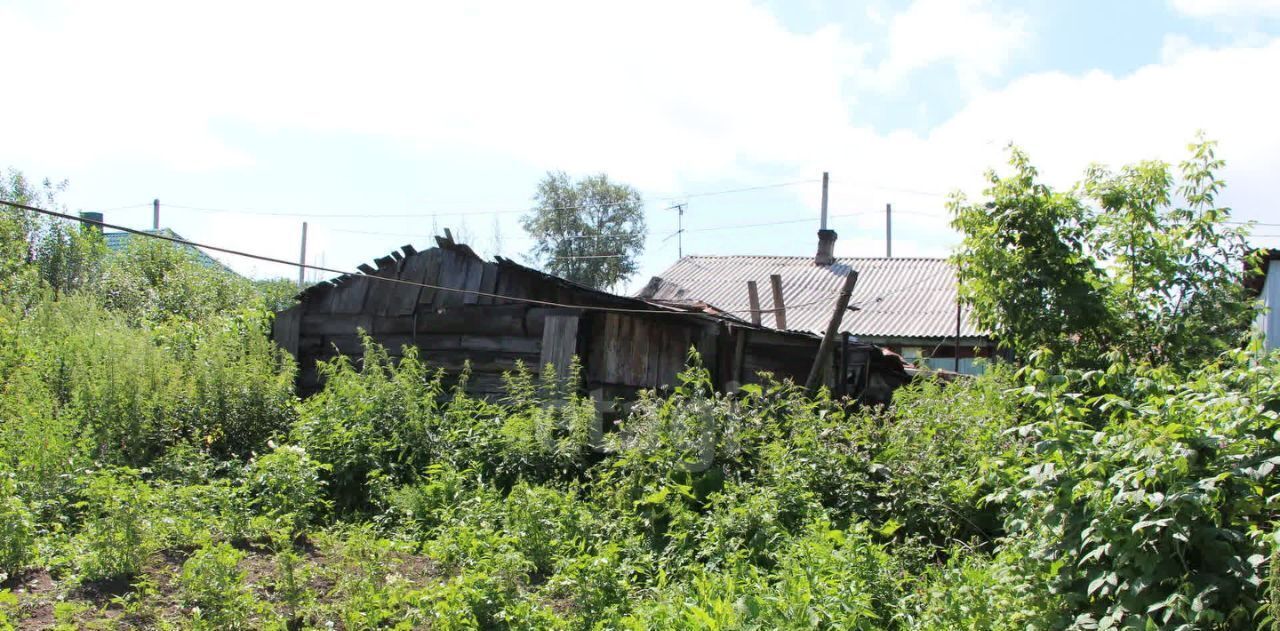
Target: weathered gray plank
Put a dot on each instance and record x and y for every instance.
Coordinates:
(335, 324)
(488, 283)
(405, 299)
(430, 276)
(475, 320)
(286, 328)
(475, 273)
(349, 298)
(453, 272)
(559, 342)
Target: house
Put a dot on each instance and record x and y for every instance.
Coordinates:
(1267, 287)
(118, 241)
(907, 305)
(456, 308)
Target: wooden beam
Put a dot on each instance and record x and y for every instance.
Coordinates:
(828, 340)
(779, 308)
(753, 297)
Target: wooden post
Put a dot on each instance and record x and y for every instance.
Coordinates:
(753, 297)
(739, 355)
(302, 259)
(779, 308)
(957, 349)
(833, 327)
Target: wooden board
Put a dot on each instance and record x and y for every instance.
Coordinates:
(453, 275)
(476, 320)
(559, 343)
(405, 299)
(488, 283)
(349, 299)
(430, 276)
(285, 329)
(475, 273)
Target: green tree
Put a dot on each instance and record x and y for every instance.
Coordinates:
(39, 251)
(1023, 265)
(1120, 262)
(590, 231)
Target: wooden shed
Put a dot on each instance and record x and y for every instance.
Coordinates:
(456, 307)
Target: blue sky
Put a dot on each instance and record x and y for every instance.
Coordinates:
(447, 114)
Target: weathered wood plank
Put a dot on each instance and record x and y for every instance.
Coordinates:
(488, 283)
(350, 298)
(335, 324)
(453, 271)
(405, 299)
(559, 343)
(476, 320)
(430, 276)
(285, 329)
(471, 283)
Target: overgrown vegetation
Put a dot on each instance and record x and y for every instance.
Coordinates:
(157, 471)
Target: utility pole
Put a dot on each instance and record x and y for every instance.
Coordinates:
(302, 259)
(888, 231)
(679, 208)
(155, 214)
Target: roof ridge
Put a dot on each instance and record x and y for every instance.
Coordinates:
(805, 257)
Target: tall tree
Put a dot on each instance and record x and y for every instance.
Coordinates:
(1122, 262)
(38, 250)
(590, 231)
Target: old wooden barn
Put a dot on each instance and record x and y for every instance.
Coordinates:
(455, 307)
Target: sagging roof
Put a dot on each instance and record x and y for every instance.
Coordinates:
(557, 290)
(909, 297)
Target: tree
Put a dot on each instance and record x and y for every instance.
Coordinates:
(43, 252)
(1022, 266)
(590, 231)
(1118, 263)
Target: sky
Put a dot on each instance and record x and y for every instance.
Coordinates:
(382, 123)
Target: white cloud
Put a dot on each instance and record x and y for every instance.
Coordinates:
(1066, 122)
(1228, 8)
(658, 94)
(977, 40)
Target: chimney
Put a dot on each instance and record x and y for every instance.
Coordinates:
(826, 247)
(93, 216)
(826, 238)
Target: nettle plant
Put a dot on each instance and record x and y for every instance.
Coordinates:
(1151, 494)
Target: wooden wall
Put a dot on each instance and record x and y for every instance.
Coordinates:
(622, 351)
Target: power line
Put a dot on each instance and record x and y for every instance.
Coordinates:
(286, 213)
(270, 259)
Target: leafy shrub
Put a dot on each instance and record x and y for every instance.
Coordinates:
(114, 541)
(378, 423)
(1151, 491)
(285, 487)
(213, 588)
(17, 531)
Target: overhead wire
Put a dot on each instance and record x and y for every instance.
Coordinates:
(270, 259)
(477, 213)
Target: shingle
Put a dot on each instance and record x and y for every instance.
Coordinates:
(896, 297)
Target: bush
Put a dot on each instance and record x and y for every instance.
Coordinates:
(286, 488)
(114, 541)
(212, 587)
(17, 531)
(1151, 491)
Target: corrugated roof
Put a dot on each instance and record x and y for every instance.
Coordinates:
(118, 241)
(896, 297)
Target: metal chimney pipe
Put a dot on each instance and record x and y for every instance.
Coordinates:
(825, 180)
